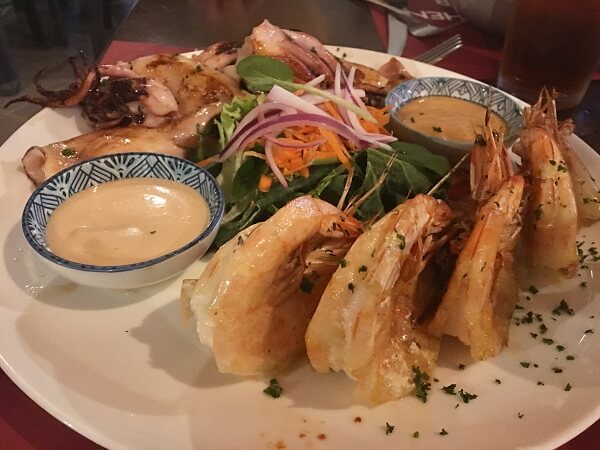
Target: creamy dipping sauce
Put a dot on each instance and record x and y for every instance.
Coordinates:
(452, 119)
(126, 221)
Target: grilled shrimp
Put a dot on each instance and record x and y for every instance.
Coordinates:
(543, 115)
(482, 290)
(254, 300)
(490, 165)
(366, 321)
(551, 222)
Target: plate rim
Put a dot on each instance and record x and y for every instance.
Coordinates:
(86, 429)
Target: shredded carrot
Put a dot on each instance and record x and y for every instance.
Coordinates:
(298, 160)
(335, 143)
(332, 110)
(264, 183)
(207, 161)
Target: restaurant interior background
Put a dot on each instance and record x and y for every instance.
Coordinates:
(42, 34)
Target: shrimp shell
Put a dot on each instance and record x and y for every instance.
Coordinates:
(490, 166)
(365, 323)
(254, 300)
(482, 290)
(551, 223)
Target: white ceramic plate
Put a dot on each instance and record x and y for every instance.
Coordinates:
(123, 369)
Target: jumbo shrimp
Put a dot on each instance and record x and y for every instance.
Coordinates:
(366, 323)
(482, 290)
(551, 221)
(254, 300)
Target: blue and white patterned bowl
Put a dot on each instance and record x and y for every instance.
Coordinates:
(501, 104)
(47, 197)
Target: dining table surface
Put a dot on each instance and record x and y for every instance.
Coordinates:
(180, 25)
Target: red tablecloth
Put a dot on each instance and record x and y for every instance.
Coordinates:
(24, 425)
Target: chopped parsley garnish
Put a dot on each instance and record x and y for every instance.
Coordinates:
(153, 232)
(548, 341)
(466, 396)
(497, 381)
(443, 432)
(343, 262)
(552, 162)
(518, 307)
(415, 434)
(538, 212)
(437, 129)
(563, 307)
(543, 329)
(539, 383)
(533, 289)
(362, 269)
(68, 152)
(520, 415)
(420, 379)
(449, 389)
(461, 367)
(556, 370)
(534, 335)
(306, 285)
(583, 284)
(412, 119)
(568, 387)
(351, 286)
(273, 389)
(402, 239)
(590, 331)
(559, 348)
(525, 364)
(570, 358)
(561, 168)
(389, 429)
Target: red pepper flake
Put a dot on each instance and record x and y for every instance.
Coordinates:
(357, 419)
(322, 436)
(280, 445)
(302, 435)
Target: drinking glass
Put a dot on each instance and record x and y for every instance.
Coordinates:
(552, 43)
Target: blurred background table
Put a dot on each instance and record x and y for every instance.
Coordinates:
(42, 34)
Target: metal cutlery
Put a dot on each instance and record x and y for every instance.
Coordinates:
(397, 34)
(439, 52)
(416, 27)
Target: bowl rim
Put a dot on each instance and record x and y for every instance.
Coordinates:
(52, 257)
(509, 138)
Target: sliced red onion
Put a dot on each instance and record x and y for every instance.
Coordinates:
(273, 165)
(279, 95)
(276, 125)
(282, 143)
(316, 81)
(337, 89)
(313, 99)
(263, 111)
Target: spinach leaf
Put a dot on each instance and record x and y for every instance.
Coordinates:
(261, 72)
(421, 158)
(373, 205)
(246, 179)
(264, 204)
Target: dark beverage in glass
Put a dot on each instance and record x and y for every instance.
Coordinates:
(552, 43)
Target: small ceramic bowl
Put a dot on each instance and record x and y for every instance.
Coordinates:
(475, 92)
(47, 197)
